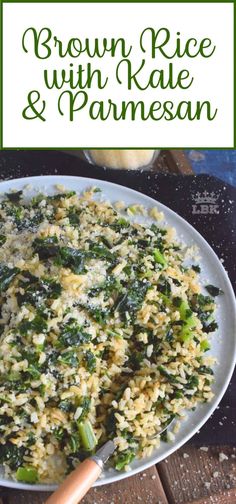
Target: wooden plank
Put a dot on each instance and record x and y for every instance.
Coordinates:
(192, 474)
(3, 498)
(145, 487)
(142, 488)
(22, 497)
(180, 162)
(173, 161)
(227, 497)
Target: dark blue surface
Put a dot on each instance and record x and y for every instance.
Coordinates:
(220, 163)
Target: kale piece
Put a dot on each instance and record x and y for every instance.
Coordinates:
(171, 378)
(130, 302)
(177, 301)
(198, 302)
(46, 247)
(156, 230)
(90, 360)
(169, 335)
(74, 442)
(214, 291)
(99, 315)
(69, 358)
(205, 370)
(14, 197)
(73, 259)
(69, 257)
(124, 458)
(33, 371)
(73, 334)
(109, 287)
(59, 196)
(135, 359)
(38, 325)
(6, 276)
(74, 216)
(143, 244)
(5, 420)
(164, 287)
(211, 327)
(120, 224)
(12, 455)
(66, 406)
(106, 242)
(84, 403)
(38, 290)
(196, 268)
(3, 240)
(193, 382)
(111, 423)
(101, 252)
(31, 222)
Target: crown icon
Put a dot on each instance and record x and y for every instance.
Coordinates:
(205, 197)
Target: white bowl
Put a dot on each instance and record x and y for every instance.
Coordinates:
(223, 343)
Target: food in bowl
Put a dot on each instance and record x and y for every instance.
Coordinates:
(122, 158)
(104, 330)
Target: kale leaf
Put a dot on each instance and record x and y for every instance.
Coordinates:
(3, 240)
(171, 378)
(72, 334)
(69, 358)
(73, 259)
(124, 458)
(84, 403)
(111, 422)
(58, 196)
(46, 247)
(37, 291)
(110, 286)
(38, 325)
(213, 291)
(74, 216)
(101, 252)
(205, 370)
(198, 302)
(12, 455)
(207, 328)
(66, 406)
(164, 287)
(196, 268)
(90, 360)
(6, 276)
(14, 197)
(69, 257)
(99, 315)
(193, 382)
(135, 359)
(130, 302)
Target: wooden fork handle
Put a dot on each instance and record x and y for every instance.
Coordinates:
(77, 484)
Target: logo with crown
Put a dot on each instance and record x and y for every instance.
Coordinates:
(205, 203)
(205, 198)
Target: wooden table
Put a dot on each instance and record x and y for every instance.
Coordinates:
(192, 475)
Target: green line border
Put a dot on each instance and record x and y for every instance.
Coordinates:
(118, 1)
(113, 1)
